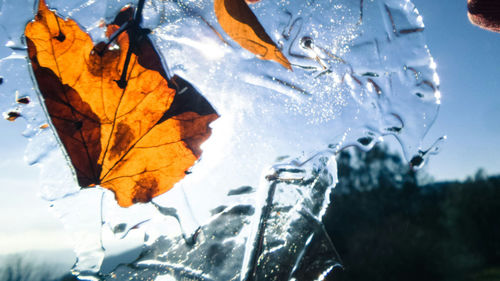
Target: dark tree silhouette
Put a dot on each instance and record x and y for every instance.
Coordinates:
(387, 226)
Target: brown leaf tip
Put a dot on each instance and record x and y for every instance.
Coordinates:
(42, 6)
(485, 13)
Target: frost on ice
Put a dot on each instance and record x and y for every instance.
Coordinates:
(251, 208)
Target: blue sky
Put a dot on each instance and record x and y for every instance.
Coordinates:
(468, 62)
(25, 216)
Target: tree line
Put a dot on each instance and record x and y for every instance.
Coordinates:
(389, 222)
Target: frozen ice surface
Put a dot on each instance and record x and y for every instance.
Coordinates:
(279, 237)
(251, 209)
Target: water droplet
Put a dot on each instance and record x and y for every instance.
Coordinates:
(394, 129)
(307, 42)
(365, 140)
(119, 228)
(370, 74)
(417, 161)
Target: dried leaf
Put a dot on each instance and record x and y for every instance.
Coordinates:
(12, 115)
(241, 24)
(131, 133)
(485, 14)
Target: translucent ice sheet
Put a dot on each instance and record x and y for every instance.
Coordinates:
(251, 208)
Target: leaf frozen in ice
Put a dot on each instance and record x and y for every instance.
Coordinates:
(122, 123)
(255, 199)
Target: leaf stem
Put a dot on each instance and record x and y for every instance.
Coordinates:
(135, 32)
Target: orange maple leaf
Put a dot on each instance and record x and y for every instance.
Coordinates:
(124, 125)
(241, 24)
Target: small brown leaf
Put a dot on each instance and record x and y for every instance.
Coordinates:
(23, 100)
(241, 24)
(485, 14)
(12, 115)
